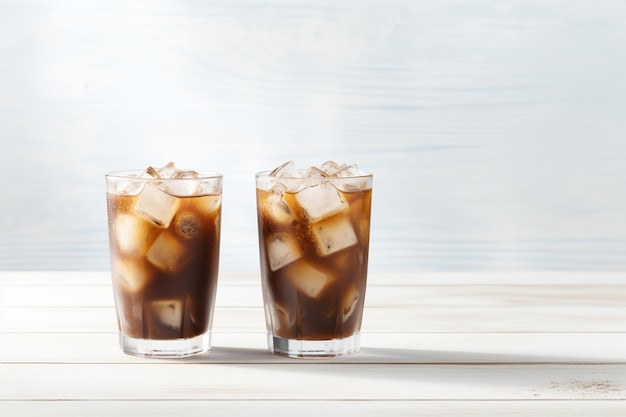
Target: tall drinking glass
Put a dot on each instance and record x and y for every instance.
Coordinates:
(164, 235)
(314, 229)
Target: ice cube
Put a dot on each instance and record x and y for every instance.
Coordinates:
(352, 184)
(130, 275)
(208, 187)
(308, 279)
(168, 312)
(345, 261)
(276, 209)
(348, 171)
(285, 177)
(212, 203)
(186, 174)
(156, 206)
(130, 185)
(131, 234)
(168, 170)
(180, 187)
(187, 225)
(347, 178)
(282, 249)
(320, 201)
(133, 184)
(333, 235)
(315, 172)
(349, 302)
(181, 183)
(126, 187)
(331, 168)
(286, 170)
(150, 173)
(166, 253)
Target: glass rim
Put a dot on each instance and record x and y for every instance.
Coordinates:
(266, 174)
(127, 174)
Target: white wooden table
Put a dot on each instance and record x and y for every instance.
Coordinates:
(450, 344)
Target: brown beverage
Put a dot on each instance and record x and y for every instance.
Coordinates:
(164, 232)
(314, 240)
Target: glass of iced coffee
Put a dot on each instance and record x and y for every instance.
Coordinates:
(164, 235)
(314, 230)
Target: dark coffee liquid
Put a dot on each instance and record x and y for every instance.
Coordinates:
(165, 278)
(314, 270)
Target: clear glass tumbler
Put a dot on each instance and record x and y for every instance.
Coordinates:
(164, 235)
(313, 243)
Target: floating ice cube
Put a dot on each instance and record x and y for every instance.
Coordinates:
(131, 234)
(166, 252)
(168, 170)
(180, 183)
(284, 178)
(130, 275)
(331, 168)
(156, 206)
(352, 184)
(126, 187)
(168, 312)
(282, 249)
(348, 171)
(129, 185)
(212, 203)
(315, 172)
(150, 173)
(320, 201)
(349, 177)
(209, 187)
(275, 208)
(307, 279)
(133, 184)
(187, 225)
(348, 260)
(186, 174)
(180, 187)
(333, 235)
(349, 302)
(286, 170)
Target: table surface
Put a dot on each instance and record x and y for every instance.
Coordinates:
(528, 344)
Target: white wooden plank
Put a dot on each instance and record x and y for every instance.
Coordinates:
(388, 319)
(55, 277)
(57, 319)
(498, 277)
(507, 319)
(269, 408)
(417, 348)
(339, 381)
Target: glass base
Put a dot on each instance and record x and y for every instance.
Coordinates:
(295, 348)
(177, 348)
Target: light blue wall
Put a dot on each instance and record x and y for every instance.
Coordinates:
(496, 130)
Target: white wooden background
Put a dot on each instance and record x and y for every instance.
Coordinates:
(495, 129)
